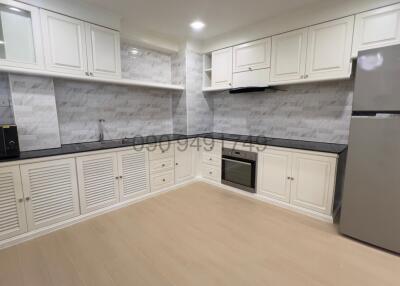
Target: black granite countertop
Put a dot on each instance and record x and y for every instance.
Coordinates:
(110, 144)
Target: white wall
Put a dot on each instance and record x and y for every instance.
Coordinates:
(81, 10)
(309, 15)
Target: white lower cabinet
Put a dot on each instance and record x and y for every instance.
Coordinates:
(133, 173)
(12, 209)
(98, 181)
(162, 180)
(184, 162)
(162, 165)
(313, 182)
(50, 192)
(303, 180)
(274, 171)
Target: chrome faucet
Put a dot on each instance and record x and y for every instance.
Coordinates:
(101, 130)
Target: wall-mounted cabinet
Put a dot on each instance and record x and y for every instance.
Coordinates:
(221, 66)
(329, 49)
(20, 36)
(377, 28)
(75, 47)
(288, 59)
(320, 52)
(252, 56)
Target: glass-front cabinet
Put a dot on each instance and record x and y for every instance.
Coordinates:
(20, 40)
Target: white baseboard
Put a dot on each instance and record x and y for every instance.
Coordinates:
(46, 230)
(310, 213)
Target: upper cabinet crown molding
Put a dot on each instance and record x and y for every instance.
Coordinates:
(252, 56)
(329, 49)
(377, 28)
(21, 37)
(288, 59)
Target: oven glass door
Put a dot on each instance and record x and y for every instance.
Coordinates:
(238, 172)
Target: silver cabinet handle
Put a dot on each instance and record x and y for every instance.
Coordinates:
(235, 161)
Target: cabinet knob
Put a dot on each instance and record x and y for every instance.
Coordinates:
(230, 84)
(91, 74)
(163, 165)
(289, 178)
(210, 159)
(116, 177)
(292, 178)
(306, 76)
(27, 199)
(21, 200)
(120, 177)
(86, 73)
(176, 164)
(210, 173)
(163, 180)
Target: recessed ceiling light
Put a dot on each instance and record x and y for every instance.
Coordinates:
(197, 25)
(14, 9)
(134, 51)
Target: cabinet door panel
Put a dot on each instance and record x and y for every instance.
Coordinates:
(20, 36)
(313, 184)
(377, 28)
(98, 181)
(184, 162)
(103, 51)
(329, 49)
(274, 175)
(251, 78)
(12, 210)
(289, 52)
(252, 56)
(133, 166)
(222, 68)
(52, 191)
(64, 43)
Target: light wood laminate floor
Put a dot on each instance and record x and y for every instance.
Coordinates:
(198, 235)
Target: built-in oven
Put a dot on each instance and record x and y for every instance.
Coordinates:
(239, 169)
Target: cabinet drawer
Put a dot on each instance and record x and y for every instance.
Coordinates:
(161, 165)
(212, 159)
(162, 180)
(161, 151)
(211, 172)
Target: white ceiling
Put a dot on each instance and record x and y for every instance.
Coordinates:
(171, 18)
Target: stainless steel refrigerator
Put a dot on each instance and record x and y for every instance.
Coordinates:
(371, 196)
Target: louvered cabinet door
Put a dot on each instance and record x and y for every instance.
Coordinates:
(12, 210)
(98, 181)
(51, 192)
(134, 171)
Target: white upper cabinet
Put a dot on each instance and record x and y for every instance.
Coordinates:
(12, 210)
(103, 50)
(377, 28)
(64, 43)
(313, 182)
(274, 175)
(50, 191)
(288, 59)
(329, 49)
(222, 68)
(252, 56)
(20, 36)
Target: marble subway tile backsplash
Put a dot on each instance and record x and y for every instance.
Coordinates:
(35, 112)
(313, 112)
(143, 64)
(6, 113)
(127, 111)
